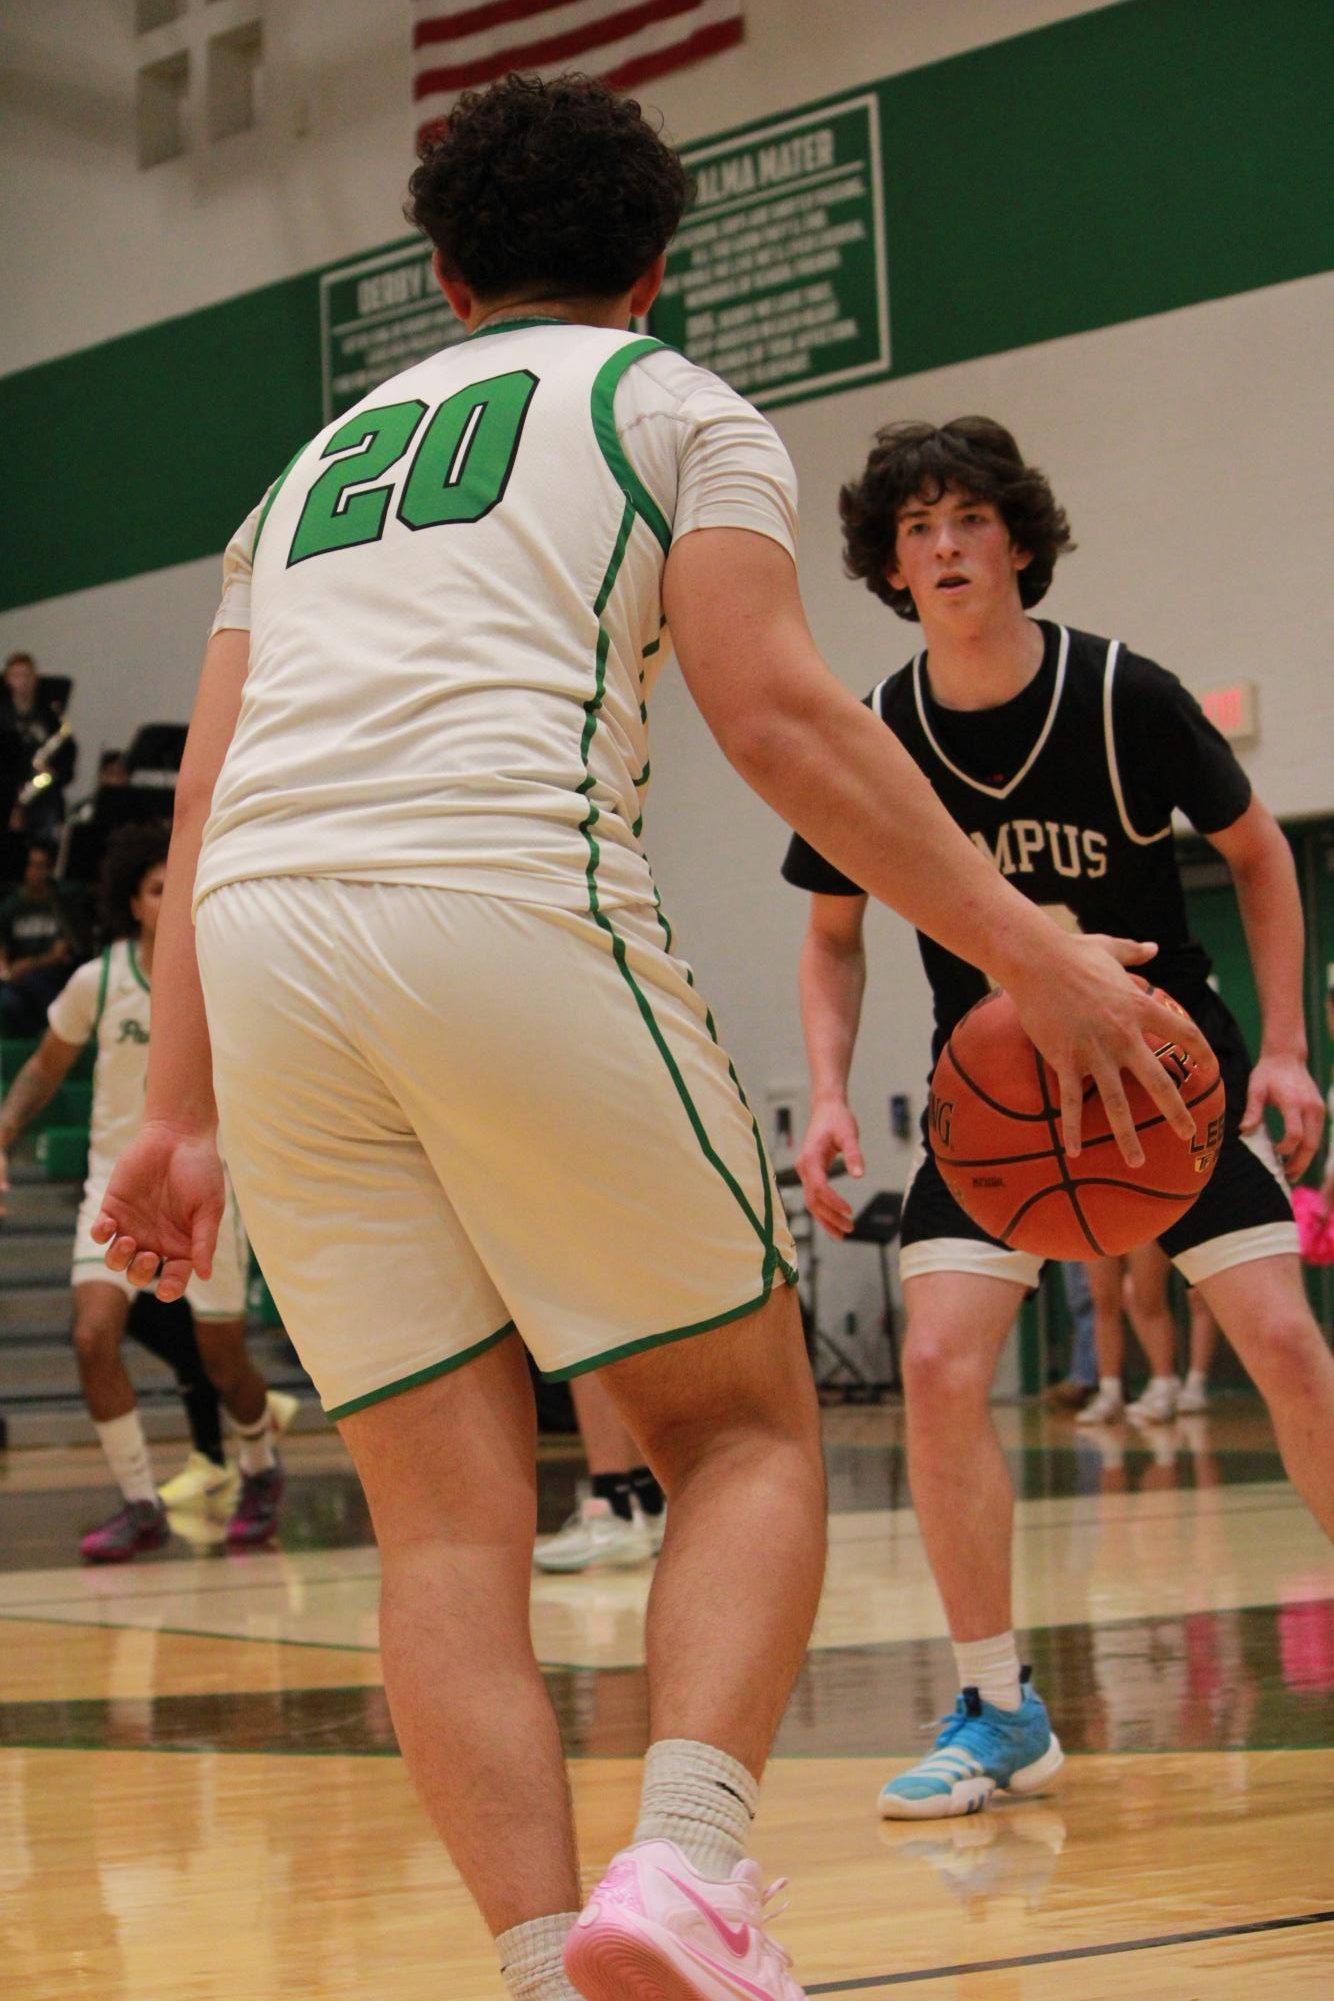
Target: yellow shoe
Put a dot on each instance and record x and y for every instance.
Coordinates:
(282, 1409)
(200, 1482)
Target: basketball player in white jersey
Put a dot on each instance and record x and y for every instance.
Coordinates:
(108, 1000)
(1063, 756)
(467, 1085)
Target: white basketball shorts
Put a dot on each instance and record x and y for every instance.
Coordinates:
(222, 1296)
(448, 1115)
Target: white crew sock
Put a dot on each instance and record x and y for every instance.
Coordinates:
(992, 1668)
(1110, 1386)
(701, 1799)
(532, 1965)
(1163, 1383)
(1197, 1380)
(256, 1452)
(126, 1448)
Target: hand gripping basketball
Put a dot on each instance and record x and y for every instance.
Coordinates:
(994, 1120)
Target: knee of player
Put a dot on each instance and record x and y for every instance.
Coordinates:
(1287, 1355)
(941, 1364)
(739, 1440)
(95, 1336)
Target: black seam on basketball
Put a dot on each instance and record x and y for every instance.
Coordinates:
(1067, 1179)
(997, 1159)
(1091, 1181)
(1027, 1118)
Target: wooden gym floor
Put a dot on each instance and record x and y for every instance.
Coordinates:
(200, 1797)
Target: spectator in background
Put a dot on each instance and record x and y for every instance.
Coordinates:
(1133, 1287)
(1078, 1385)
(1204, 1333)
(39, 945)
(112, 773)
(48, 752)
(21, 707)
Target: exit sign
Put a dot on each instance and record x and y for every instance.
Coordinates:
(1233, 711)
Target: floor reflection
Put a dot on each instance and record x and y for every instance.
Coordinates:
(1258, 1678)
(982, 1856)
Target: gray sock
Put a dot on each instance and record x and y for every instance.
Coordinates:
(701, 1799)
(531, 1959)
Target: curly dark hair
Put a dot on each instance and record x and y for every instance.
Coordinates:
(553, 189)
(130, 854)
(915, 461)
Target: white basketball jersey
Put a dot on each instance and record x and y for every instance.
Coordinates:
(456, 617)
(109, 997)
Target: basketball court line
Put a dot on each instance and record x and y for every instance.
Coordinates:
(877, 1982)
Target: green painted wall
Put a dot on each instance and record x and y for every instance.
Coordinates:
(1136, 159)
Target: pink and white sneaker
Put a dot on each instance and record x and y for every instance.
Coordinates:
(656, 1930)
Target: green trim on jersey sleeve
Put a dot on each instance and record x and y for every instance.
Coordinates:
(136, 968)
(271, 496)
(103, 980)
(632, 486)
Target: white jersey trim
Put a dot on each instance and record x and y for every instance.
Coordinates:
(1114, 770)
(995, 791)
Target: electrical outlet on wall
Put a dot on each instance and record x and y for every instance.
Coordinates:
(785, 1118)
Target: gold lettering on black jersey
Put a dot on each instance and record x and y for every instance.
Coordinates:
(1070, 835)
(1030, 839)
(1020, 845)
(1095, 853)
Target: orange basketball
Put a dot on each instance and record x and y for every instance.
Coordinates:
(994, 1119)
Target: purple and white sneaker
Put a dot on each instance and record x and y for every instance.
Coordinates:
(256, 1515)
(135, 1528)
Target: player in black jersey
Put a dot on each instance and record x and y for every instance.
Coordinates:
(1063, 756)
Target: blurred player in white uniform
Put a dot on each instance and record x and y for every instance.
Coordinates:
(468, 1085)
(109, 998)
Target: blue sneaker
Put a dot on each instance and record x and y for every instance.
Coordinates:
(980, 1747)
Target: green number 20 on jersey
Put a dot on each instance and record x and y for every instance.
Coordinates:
(458, 473)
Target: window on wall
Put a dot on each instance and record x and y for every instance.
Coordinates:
(160, 109)
(233, 80)
(197, 79)
(150, 14)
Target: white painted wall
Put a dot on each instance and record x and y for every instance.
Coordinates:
(1185, 447)
(92, 247)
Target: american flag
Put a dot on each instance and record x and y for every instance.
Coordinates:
(459, 44)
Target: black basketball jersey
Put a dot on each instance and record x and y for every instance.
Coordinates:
(1070, 788)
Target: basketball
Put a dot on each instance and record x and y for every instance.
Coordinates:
(994, 1120)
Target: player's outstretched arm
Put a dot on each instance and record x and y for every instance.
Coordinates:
(832, 980)
(836, 774)
(33, 1089)
(159, 1218)
(1271, 915)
